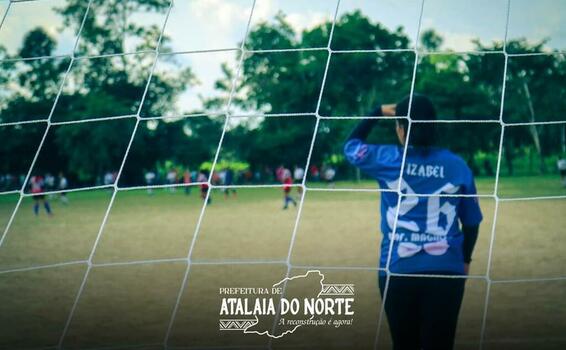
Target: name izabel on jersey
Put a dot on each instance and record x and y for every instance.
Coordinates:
(423, 170)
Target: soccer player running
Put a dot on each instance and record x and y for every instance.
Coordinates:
(422, 311)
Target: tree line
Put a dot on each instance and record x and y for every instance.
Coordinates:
(462, 86)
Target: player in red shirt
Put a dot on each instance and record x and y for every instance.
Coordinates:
(287, 183)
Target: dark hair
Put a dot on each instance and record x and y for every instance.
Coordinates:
(422, 135)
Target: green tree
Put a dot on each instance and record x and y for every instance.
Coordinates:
(290, 82)
(107, 27)
(100, 87)
(534, 93)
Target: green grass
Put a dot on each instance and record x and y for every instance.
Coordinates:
(131, 304)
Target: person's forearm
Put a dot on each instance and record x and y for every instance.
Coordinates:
(470, 238)
(364, 127)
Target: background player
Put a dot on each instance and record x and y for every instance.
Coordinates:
(329, 173)
(37, 184)
(422, 312)
(149, 179)
(62, 186)
(287, 183)
(187, 179)
(298, 174)
(203, 179)
(229, 181)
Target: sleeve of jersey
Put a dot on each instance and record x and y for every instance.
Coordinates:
(377, 161)
(469, 211)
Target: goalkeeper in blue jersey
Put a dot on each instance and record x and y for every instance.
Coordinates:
(433, 234)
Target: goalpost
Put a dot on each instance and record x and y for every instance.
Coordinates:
(230, 115)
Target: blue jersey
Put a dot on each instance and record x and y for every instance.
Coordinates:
(427, 236)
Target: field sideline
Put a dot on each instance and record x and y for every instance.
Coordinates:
(336, 229)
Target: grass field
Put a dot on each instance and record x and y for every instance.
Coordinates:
(132, 303)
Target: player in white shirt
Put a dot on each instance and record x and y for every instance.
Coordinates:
(149, 179)
(49, 182)
(298, 174)
(172, 179)
(108, 178)
(329, 174)
(63, 184)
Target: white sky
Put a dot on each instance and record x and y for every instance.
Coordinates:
(207, 24)
(391, 13)
(207, 68)
(215, 24)
(25, 16)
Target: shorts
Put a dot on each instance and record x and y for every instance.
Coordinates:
(422, 311)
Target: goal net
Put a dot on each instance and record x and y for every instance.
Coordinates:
(162, 161)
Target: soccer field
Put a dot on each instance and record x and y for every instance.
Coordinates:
(126, 301)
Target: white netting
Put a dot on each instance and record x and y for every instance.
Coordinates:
(288, 261)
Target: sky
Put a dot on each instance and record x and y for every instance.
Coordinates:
(221, 24)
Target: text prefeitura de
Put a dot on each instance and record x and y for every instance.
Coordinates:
(306, 306)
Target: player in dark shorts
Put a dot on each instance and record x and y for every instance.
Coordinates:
(37, 188)
(203, 178)
(229, 181)
(433, 235)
